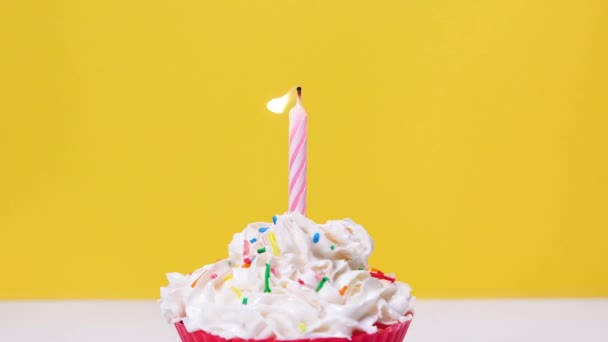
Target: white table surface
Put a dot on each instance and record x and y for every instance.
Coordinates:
(436, 320)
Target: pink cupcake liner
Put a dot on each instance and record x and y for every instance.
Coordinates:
(392, 333)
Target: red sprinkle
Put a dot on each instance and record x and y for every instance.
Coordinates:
(274, 272)
(380, 275)
(213, 276)
(247, 261)
(300, 281)
(377, 270)
(318, 276)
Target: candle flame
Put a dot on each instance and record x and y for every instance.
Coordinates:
(279, 104)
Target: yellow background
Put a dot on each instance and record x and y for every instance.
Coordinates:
(469, 137)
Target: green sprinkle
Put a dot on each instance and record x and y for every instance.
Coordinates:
(267, 278)
(244, 300)
(332, 247)
(262, 250)
(323, 281)
(361, 268)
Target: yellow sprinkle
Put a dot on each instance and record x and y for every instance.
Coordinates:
(228, 277)
(302, 326)
(237, 291)
(273, 243)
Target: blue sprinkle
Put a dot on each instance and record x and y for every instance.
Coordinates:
(274, 219)
(253, 240)
(263, 229)
(315, 238)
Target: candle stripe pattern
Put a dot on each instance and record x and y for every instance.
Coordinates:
(298, 133)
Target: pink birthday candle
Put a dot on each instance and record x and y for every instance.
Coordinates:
(298, 135)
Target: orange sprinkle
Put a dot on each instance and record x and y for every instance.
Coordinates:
(246, 265)
(196, 281)
(343, 289)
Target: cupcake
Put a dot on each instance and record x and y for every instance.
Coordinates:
(291, 279)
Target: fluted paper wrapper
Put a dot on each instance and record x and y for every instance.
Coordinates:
(392, 333)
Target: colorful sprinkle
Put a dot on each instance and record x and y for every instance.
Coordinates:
(213, 276)
(247, 261)
(301, 281)
(246, 265)
(263, 229)
(318, 276)
(196, 281)
(343, 289)
(267, 279)
(262, 250)
(245, 247)
(315, 238)
(302, 326)
(244, 300)
(274, 219)
(332, 247)
(273, 243)
(228, 277)
(323, 281)
(361, 268)
(237, 291)
(253, 240)
(274, 272)
(380, 275)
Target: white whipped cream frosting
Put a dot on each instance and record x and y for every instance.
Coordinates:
(317, 289)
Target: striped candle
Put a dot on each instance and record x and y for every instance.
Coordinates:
(298, 134)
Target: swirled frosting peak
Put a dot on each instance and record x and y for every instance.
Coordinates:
(289, 279)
